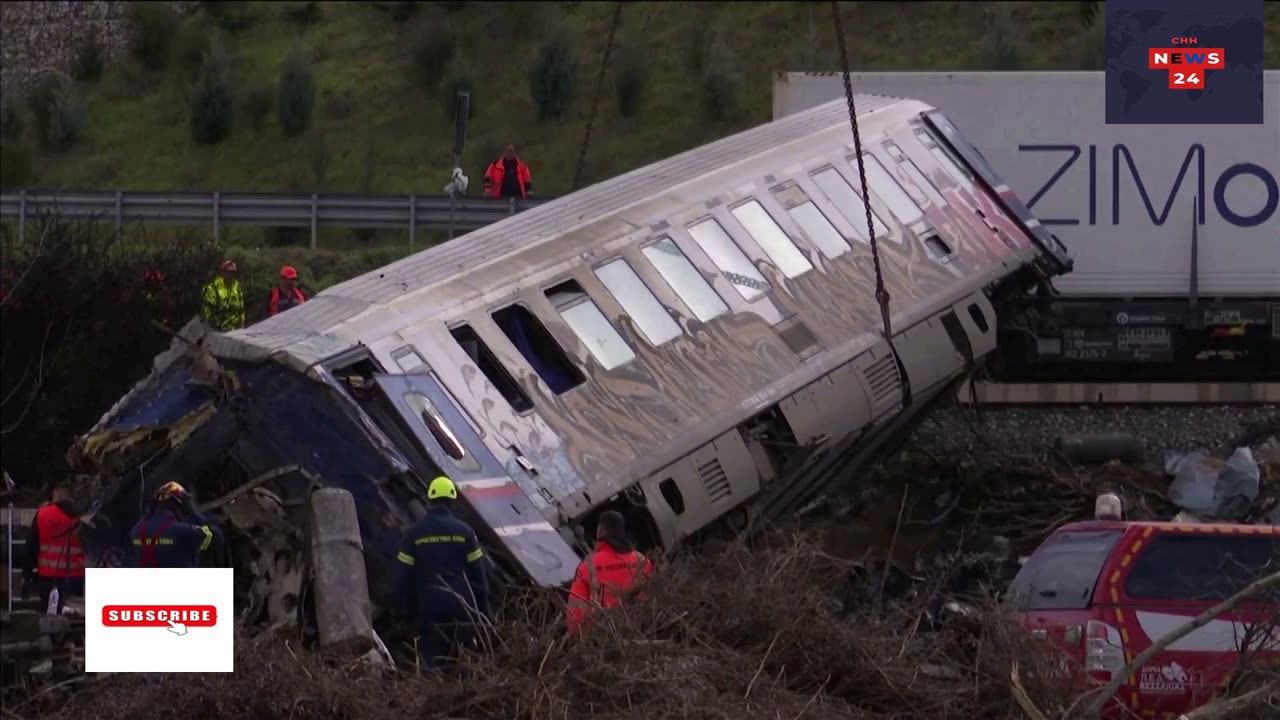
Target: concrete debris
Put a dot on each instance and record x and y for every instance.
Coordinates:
(341, 589)
(1213, 487)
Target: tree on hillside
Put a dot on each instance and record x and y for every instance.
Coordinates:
(211, 98)
(553, 78)
(297, 95)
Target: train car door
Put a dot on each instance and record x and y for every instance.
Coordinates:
(439, 431)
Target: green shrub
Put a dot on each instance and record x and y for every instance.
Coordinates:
(698, 46)
(318, 155)
(1093, 47)
(153, 26)
(190, 46)
(211, 99)
(458, 81)
(15, 165)
(60, 112)
(399, 12)
(553, 79)
(304, 13)
(12, 121)
(632, 77)
(1004, 40)
(721, 85)
(297, 95)
(257, 105)
(237, 18)
(433, 53)
(90, 57)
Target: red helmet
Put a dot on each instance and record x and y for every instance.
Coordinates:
(288, 273)
(171, 491)
(229, 266)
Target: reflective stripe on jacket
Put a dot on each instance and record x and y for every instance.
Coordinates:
(497, 169)
(283, 301)
(59, 553)
(224, 305)
(162, 540)
(443, 573)
(601, 581)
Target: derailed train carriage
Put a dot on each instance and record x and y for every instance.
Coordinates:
(696, 343)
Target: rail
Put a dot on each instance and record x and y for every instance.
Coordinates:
(315, 210)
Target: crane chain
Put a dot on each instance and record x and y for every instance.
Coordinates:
(882, 294)
(595, 101)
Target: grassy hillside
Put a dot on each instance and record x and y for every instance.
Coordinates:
(380, 126)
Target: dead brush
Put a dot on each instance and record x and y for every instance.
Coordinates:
(750, 634)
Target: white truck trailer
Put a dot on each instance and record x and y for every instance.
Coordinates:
(1143, 302)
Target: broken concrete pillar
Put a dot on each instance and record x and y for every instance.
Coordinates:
(1101, 448)
(341, 589)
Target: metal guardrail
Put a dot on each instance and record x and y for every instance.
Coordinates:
(411, 212)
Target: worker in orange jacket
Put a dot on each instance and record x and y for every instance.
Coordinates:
(508, 176)
(286, 294)
(608, 573)
(55, 558)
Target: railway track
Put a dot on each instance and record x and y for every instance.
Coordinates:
(1119, 393)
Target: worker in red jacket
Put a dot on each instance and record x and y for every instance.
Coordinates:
(608, 573)
(286, 294)
(508, 176)
(55, 558)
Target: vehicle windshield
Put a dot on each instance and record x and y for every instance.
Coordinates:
(1061, 573)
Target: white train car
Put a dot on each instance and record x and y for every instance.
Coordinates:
(694, 343)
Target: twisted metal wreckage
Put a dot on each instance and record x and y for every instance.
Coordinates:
(259, 438)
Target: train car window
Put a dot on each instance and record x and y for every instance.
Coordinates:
(841, 194)
(640, 304)
(924, 183)
(539, 348)
(582, 316)
(685, 280)
(488, 364)
(765, 231)
(454, 399)
(734, 264)
(949, 163)
(819, 229)
(439, 430)
(937, 244)
(408, 360)
(888, 189)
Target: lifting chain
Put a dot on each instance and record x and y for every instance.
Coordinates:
(595, 101)
(882, 295)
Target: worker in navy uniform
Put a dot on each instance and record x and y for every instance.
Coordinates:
(444, 585)
(173, 534)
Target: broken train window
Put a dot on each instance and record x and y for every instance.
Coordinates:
(539, 348)
(488, 364)
(440, 431)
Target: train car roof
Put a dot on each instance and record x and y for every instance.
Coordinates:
(359, 310)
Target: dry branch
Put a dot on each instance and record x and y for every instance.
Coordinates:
(1095, 708)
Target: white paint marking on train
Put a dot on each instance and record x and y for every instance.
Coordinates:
(484, 484)
(513, 530)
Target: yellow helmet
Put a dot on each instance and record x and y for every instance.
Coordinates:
(171, 491)
(442, 487)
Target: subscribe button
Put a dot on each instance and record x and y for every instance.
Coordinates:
(159, 615)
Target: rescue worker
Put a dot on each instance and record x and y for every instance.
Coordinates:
(173, 534)
(55, 558)
(607, 574)
(286, 293)
(223, 299)
(444, 583)
(508, 176)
